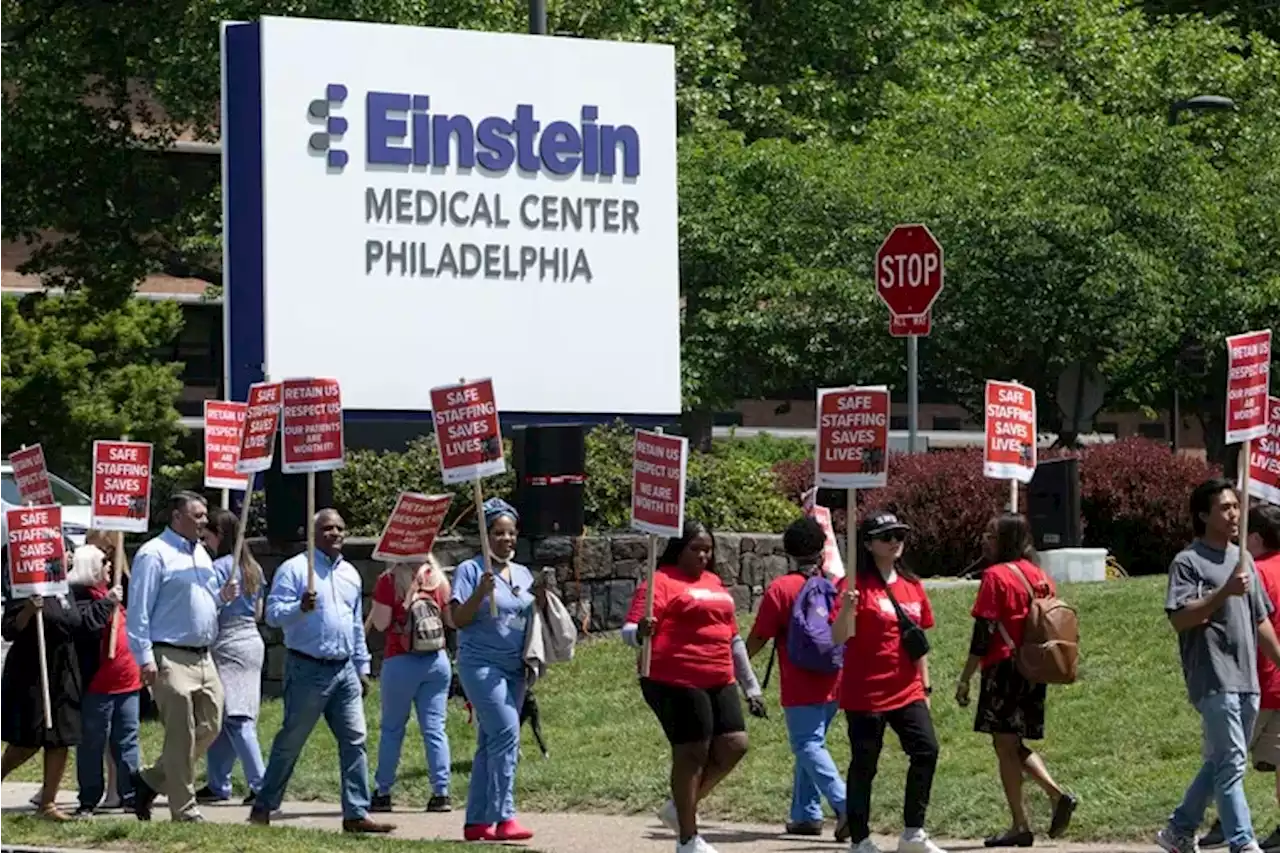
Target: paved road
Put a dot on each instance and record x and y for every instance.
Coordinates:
(570, 833)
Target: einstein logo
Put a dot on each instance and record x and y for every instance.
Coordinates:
(334, 126)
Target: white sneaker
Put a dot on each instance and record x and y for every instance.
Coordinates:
(112, 801)
(866, 845)
(917, 841)
(1251, 847)
(695, 845)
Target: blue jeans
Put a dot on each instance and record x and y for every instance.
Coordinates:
(495, 695)
(238, 739)
(1226, 720)
(421, 681)
(816, 775)
(313, 689)
(107, 719)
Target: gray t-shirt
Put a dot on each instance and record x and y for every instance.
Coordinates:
(1220, 656)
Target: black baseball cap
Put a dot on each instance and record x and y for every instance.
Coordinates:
(881, 523)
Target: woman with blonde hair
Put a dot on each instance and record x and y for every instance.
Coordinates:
(411, 605)
(238, 653)
(110, 710)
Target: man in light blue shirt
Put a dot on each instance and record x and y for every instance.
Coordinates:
(326, 672)
(172, 621)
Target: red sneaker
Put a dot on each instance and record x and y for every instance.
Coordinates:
(478, 832)
(511, 830)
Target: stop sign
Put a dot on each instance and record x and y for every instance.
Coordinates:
(909, 270)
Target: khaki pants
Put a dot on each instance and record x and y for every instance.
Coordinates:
(188, 695)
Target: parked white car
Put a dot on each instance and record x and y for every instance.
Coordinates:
(76, 505)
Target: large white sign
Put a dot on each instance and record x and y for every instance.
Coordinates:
(408, 205)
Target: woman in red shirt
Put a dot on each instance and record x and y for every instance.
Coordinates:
(886, 679)
(415, 672)
(696, 658)
(1010, 708)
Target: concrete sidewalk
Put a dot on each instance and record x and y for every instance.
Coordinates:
(563, 833)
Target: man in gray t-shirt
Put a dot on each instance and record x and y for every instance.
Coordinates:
(1219, 610)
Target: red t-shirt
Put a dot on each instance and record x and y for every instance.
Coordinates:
(119, 674)
(879, 675)
(397, 635)
(696, 624)
(1268, 676)
(799, 686)
(1003, 598)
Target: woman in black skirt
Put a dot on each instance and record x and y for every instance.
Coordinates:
(22, 717)
(1010, 708)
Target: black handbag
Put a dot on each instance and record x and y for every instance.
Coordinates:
(914, 639)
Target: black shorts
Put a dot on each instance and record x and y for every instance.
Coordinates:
(692, 714)
(1009, 704)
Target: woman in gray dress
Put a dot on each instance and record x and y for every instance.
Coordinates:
(238, 653)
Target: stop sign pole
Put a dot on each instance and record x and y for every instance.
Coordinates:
(909, 278)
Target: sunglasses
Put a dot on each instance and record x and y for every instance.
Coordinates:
(891, 536)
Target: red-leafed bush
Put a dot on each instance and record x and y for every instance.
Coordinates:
(1134, 495)
(942, 495)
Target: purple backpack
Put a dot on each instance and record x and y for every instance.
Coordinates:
(809, 643)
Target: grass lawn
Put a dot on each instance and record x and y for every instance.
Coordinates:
(167, 837)
(1123, 737)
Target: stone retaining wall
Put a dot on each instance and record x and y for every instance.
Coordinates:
(595, 575)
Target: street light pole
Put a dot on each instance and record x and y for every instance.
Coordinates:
(1199, 103)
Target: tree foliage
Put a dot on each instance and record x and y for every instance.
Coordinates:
(1030, 136)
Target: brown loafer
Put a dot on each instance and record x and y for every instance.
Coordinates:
(364, 826)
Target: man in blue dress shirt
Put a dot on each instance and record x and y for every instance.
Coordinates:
(172, 621)
(326, 672)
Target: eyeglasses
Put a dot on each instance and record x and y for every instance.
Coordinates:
(891, 536)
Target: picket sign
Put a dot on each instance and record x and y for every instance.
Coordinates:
(469, 438)
(117, 567)
(1009, 446)
(658, 467)
(1248, 410)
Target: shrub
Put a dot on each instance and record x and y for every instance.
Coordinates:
(1134, 494)
(942, 495)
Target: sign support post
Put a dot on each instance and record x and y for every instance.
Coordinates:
(913, 392)
(311, 532)
(851, 527)
(1013, 496)
(44, 666)
(484, 541)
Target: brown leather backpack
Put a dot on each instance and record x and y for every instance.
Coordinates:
(1050, 650)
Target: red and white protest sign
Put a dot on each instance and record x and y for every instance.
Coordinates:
(223, 432)
(1264, 458)
(412, 528)
(657, 483)
(31, 475)
(312, 426)
(261, 423)
(1010, 450)
(121, 486)
(37, 555)
(853, 438)
(1248, 379)
(467, 431)
(832, 562)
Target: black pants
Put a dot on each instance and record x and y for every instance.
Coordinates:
(914, 728)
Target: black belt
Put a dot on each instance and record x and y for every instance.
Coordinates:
(314, 659)
(199, 650)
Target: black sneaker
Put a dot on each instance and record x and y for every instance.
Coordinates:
(380, 803)
(143, 797)
(843, 832)
(206, 796)
(1062, 813)
(248, 801)
(810, 828)
(1214, 837)
(440, 803)
(1272, 842)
